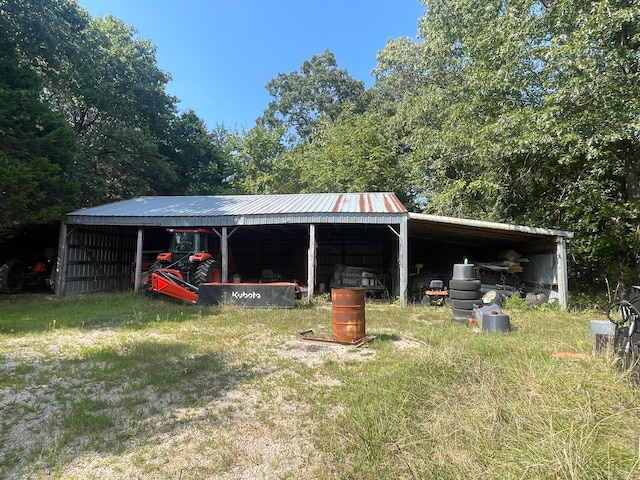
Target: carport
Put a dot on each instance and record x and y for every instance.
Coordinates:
(98, 245)
(102, 248)
(443, 241)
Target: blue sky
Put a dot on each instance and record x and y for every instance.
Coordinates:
(221, 54)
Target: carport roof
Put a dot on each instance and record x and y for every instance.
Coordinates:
(232, 210)
(343, 208)
(467, 231)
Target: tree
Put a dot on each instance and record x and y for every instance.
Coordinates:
(526, 111)
(256, 154)
(36, 146)
(353, 154)
(107, 84)
(319, 90)
(202, 167)
(116, 101)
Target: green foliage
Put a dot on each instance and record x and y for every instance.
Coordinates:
(525, 111)
(515, 302)
(36, 146)
(115, 99)
(254, 155)
(517, 111)
(356, 153)
(202, 167)
(105, 82)
(301, 98)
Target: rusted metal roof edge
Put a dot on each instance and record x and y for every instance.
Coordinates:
(239, 220)
(482, 224)
(233, 205)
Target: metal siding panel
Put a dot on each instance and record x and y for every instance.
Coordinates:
(98, 260)
(541, 268)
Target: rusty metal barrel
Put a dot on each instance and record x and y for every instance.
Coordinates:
(348, 314)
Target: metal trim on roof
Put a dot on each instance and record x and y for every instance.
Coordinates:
(484, 225)
(230, 210)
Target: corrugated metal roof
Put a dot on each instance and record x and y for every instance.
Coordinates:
(450, 228)
(372, 207)
(317, 208)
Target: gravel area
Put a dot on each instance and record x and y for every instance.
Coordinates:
(253, 426)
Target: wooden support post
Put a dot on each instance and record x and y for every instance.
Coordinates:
(561, 266)
(61, 262)
(311, 262)
(403, 259)
(138, 273)
(224, 254)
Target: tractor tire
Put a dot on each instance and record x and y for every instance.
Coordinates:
(461, 313)
(464, 284)
(465, 304)
(464, 294)
(492, 296)
(12, 277)
(207, 272)
(155, 266)
(435, 300)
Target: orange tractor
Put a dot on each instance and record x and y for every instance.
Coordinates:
(189, 272)
(188, 263)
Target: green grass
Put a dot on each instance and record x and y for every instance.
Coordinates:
(110, 375)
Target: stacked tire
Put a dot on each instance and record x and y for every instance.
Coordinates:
(464, 292)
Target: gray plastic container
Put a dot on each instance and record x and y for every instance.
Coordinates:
(495, 322)
(464, 271)
(602, 332)
(486, 310)
(601, 327)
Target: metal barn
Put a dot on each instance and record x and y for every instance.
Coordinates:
(320, 240)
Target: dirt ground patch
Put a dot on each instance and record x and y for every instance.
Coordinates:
(249, 424)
